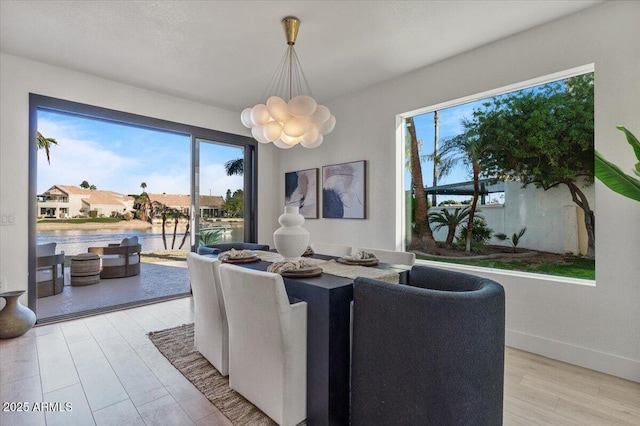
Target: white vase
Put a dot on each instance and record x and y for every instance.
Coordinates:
(291, 240)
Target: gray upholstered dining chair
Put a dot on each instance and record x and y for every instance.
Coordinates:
(267, 343)
(331, 249)
(428, 353)
(392, 256)
(211, 330)
(220, 247)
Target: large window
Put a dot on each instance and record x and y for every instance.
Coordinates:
(506, 175)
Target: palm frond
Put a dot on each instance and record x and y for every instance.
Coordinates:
(234, 167)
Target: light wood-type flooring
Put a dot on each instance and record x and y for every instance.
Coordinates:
(109, 373)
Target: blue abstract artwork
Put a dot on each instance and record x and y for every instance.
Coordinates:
(343, 190)
(301, 189)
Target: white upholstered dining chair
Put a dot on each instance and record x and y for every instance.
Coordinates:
(267, 343)
(211, 330)
(391, 256)
(331, 249)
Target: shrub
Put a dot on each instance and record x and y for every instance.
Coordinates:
(481, 235)
(515, 238)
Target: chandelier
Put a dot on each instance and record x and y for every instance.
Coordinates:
(291, 115)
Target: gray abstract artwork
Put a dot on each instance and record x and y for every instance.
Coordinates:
(301, 189)
(343, 190)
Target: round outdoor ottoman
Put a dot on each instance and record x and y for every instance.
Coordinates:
(85, 269)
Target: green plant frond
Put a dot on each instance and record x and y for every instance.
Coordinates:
(614, 178)
(515, 238)
(633, 141)
(209, 236)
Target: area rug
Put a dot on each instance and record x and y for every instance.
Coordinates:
(176, 344)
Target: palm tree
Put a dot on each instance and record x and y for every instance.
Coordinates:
(143, 205)
(515, 238)
(444, 218)
(422, 231)
(143, 185)
(159, 209)
(176, 215)
(184, 237)
(45, 143)
(234, 167)
(467, 148)
(84, 184)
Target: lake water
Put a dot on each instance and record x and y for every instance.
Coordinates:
(78, 241)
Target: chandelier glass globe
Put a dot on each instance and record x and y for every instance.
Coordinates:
(290, 116)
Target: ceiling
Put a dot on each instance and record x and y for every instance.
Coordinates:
(224, 53)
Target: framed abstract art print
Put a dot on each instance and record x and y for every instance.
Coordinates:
(343, 190)
(301, 190)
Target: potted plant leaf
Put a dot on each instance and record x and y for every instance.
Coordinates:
(614, 178)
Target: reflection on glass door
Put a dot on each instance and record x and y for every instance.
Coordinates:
(220, 192)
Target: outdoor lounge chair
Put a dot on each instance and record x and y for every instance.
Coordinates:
(119, 260)
(50, 270)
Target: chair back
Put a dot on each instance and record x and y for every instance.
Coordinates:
(391, 256)
(267, 342)
(220, 247)
(211, 329)
(331, 249)
(435, 356)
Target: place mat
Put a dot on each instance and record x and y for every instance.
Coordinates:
(352, 271)
(269, 256)
(312, 271)
(249, 259)
(331, 267)
(361, 262)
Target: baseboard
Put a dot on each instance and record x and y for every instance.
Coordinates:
(584, 357)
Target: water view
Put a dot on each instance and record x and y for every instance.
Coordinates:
(78, 241)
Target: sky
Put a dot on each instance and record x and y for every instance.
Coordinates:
(449, 125)
(119, 158)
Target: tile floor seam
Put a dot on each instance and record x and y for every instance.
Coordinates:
(84, 392)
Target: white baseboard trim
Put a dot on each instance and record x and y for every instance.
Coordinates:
(584, 357)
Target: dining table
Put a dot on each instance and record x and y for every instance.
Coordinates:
(328, 299)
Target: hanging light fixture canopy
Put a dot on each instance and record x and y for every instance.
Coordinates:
(290, 115)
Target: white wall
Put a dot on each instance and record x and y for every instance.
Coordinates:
(551, 218)
(594, 326)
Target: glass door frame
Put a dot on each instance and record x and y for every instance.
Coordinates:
(250, 189)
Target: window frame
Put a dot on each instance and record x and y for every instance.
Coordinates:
(403, 233)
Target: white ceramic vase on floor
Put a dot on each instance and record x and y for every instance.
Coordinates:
(291, 240)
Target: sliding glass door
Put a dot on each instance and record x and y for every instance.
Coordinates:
(219, 193)
(164, 175)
